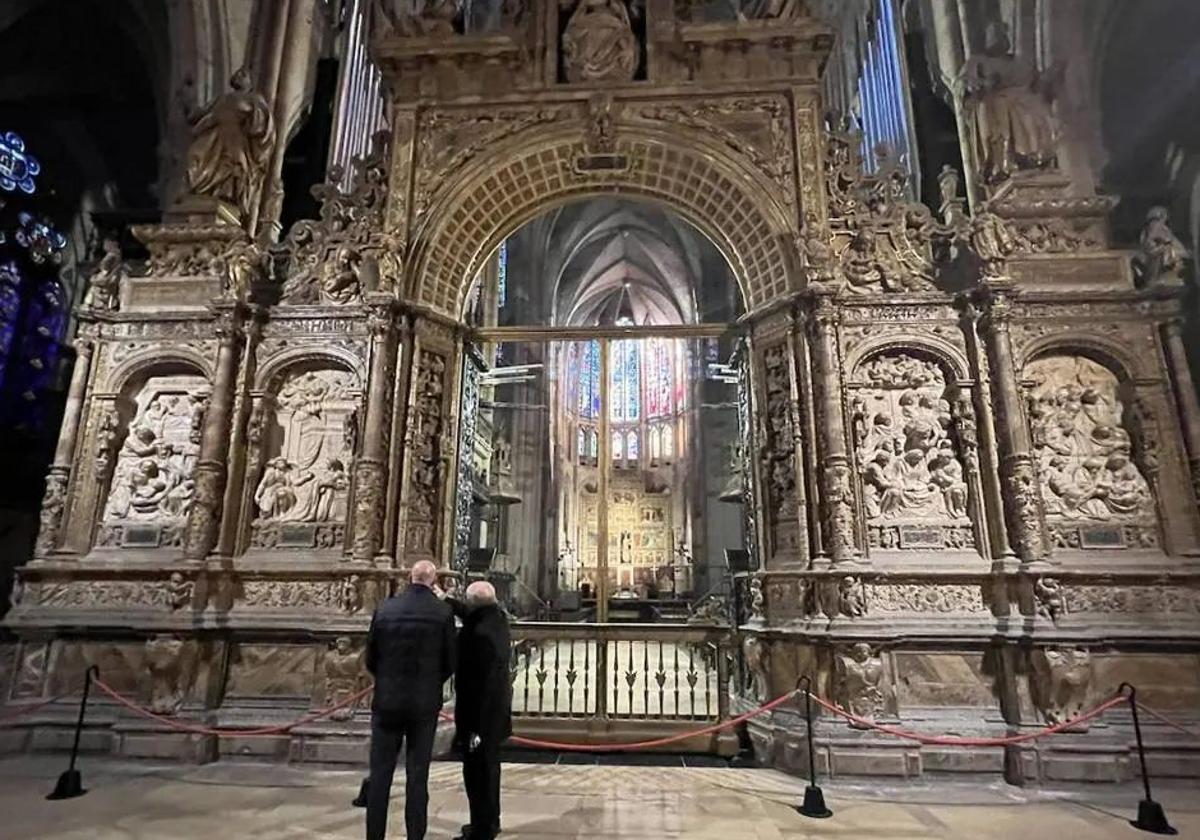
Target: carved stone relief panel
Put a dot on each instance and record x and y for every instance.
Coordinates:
(779, 452)
(1060, 681)
(30, 670)
(151, 490)
(344, 676)
(426, 450)
(914, 486)
(300, 498)
(272, 670)
(1096, 496)
(861, 683)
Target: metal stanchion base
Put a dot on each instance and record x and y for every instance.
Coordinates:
(70, 785)
(1152, 818)
(360, 801)
(814, 804)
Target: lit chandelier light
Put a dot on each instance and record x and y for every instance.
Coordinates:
(17, 168)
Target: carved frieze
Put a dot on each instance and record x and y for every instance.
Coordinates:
(1127, 599)
(892, 598)
(171, 594)
(292, 594)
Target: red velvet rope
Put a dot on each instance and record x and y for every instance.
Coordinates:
(21, 711)
(957, 741)
(942, 740)
(242, 733)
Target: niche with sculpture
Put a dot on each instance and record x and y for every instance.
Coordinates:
(1094, 490)
(305, 436)
(151, 488)
(914, 472)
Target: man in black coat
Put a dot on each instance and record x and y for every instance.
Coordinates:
(410, 652)
(482, 706)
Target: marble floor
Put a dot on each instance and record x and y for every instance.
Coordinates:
(548, 802)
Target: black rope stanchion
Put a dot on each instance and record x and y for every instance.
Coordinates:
(70, 783)
(814, 798)
(1151, 816)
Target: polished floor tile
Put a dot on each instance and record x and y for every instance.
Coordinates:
(137, 801)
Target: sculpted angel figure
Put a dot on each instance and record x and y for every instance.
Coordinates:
(231, 145)
(1161, 257)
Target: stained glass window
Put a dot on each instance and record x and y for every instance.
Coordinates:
(668, 442)
(631, 445)
(589, 380)
(593, 443)
(502, 274)
(661, 376)
(626, 381)
(583, 443)
(10, 306)
(618, 445)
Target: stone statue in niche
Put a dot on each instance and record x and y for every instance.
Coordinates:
(166, 663)
(598, 43)
(909, 465)
(858, 681)
(105, 284)
(152, 480)
(1061, 679)
(343, 676)
(1082, 446)
(306, 479)
(1161, 259)
(231, 146)
(1009, 105)
(416, 18)
(757, 657)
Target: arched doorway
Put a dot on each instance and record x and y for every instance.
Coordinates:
(599, 481)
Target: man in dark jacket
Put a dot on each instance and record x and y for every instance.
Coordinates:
(410, 652)
(483, 706)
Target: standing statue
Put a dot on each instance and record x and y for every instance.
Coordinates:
(599, 44)
(343, 676)
(1161, 259)
(1009, 106)
(105, 284)
(231, 146)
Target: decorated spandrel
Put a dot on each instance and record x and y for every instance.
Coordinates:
(18, 168)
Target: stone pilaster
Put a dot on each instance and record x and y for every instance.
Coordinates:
(57, 479)
(1020, 486)
(1185, 393)
(370, 468)
(212, 469)
(836, 469)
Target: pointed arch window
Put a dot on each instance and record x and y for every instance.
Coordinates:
(618, 445)
(626, 381)
(589, 380)
(631, 445)
(661, 379)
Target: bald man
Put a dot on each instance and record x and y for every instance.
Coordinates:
(411, 653)
(482, 706)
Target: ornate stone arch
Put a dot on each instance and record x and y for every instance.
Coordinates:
(278, 365)
(937, 350)
(145, 362)
(727, 199)
(1097, 348)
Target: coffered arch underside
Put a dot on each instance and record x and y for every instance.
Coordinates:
(727, 200)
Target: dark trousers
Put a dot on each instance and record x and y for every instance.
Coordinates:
(388, 735)
(481, 778)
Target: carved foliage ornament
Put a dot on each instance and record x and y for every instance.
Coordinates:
(346, 252)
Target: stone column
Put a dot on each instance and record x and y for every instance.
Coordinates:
(1185, 393)
(1018, 472)
(55, 498)
(211, 467)
(370, 468)
(836, 471)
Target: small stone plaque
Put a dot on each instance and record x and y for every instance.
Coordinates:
(1101, 536)
(297, 535)
(601, 163)
(921, 536)
(141, 536)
